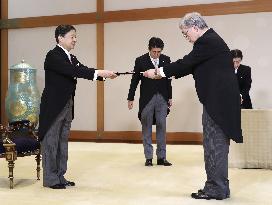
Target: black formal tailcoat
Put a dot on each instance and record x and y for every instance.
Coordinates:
(60, 85)
(149, 87)
(244, 80)
(217, 88)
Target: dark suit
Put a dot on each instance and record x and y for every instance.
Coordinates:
(148, 89)
(244, 80)
(217, 88)
(148, 86)
(60, 85)
(56, 111)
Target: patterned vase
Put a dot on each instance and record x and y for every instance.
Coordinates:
(23, 97)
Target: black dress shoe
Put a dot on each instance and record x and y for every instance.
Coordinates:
(202, 191)
(58, 186)
(163, 162)
(148, 162)
(69, 183)
(203, 195)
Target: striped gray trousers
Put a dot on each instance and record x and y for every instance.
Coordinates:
(216, 149)
(158, 106)
(55, 148)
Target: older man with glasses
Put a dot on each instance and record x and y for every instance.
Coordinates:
(210, 63)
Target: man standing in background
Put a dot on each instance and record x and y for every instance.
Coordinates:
(243, 74)
(56, 110)
(155, 100)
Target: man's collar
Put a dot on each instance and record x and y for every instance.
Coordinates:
(66, 51)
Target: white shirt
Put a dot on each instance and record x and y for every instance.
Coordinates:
(155, 61)
(69, 56)
(67, 52)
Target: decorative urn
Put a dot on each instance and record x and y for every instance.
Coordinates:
(23, 97)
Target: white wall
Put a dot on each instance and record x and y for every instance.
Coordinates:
(112, 5)
(124, 42)
(32, 46)
(32, 8)
(252, 34)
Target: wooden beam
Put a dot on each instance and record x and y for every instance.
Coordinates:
(4, 61)
(135, 137)
(83, 135)
(179, 11)
(100, 7)
(100, 65)
(240, 7)
(47, 21)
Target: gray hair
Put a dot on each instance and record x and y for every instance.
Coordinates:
(192, 19)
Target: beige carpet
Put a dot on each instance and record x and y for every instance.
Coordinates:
(114, 174)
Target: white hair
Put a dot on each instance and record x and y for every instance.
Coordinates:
(192, 19)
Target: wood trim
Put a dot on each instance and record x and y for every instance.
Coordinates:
(100, 65)
(82, 135)
(4, 61)
(179, 11)
(100, 6)
(241, 7)
(1, 102)
(4, 9)
(135, 137)
(4, 73)
(100, 106)
(47, 21)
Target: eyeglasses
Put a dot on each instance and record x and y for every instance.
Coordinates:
(185, 34)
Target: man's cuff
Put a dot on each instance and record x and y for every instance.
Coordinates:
(95, 75)
(161, 72)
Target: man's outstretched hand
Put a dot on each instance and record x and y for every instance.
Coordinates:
(152, 74)
(107, 74)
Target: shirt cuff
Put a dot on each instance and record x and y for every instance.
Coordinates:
(95, 75)
(161, 72)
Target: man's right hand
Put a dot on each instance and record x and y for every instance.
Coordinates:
(130, 104)
(152, 74)
(106, 74)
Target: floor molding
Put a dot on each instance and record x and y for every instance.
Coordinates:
(134, 137)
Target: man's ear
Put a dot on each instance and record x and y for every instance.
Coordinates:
(60, 38)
